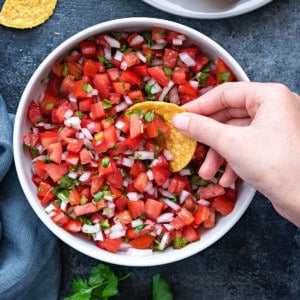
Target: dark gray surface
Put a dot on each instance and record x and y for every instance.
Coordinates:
(259, 257)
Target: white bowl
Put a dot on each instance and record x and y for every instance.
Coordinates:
(23, 162)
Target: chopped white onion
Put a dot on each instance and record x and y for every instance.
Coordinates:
(119, 124)
(79, 135)
(86, 228)
(85, 176)
(156, 88)
(166, 194)
(124, 247)
(68, 114)
(169, 227)
(133, 196)
(123, 65)
(127, 162)
(141, 56)
(165, 186)
(116, 227)
(107, 53)
(72, 175)
(194, 83)
(127, 100)
(112, 41)
(164, 241)
(168, 154)
(137, 40)
(98, 236)
(165, 218)
(143, 155)
(183, 195)
(73, 122)
(203, 202)
(40, 157)
(150, 175)
(108, 198)
(118, 55)
(50, 208)
(91, 127)
(86, 133)
(117, 234)
(187, 59)
(120, 107)
(159, 46)
(157, 229)
(157, 62)
(166, 90)
(185, 172)
(136, 223)
(172, 204)
(177, 42)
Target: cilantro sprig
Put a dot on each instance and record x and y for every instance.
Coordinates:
(161, 288)
(101, 284)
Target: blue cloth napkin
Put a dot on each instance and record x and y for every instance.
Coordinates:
(30, 266)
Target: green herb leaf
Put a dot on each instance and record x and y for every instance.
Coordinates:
(148, 37)
(161, 288)
(179, 242)
(206, 68)
(107, 63)
(223, 77)
(106, 104)
(87, 88)
(67, 183)
(105, 162)
(203, 78)
(196, 180)
(149, 116)
(33, 150)
(102, 284)
(138, 228)
(124, 48)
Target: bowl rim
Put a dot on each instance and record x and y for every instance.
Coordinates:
(154, 259)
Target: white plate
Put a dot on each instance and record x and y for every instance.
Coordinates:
(207, 9)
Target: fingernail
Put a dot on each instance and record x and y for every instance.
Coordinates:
(181, 121)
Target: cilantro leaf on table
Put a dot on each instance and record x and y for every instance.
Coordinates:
(101, 284)
(161, 288)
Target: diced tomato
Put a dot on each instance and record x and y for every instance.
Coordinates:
(130, 59)
(137, 167)
(48, 103)
(158, 33)
(88, 208)
(48, 137)
(88, 48)
(101, 82)
(39, 168)
(158, 74)
(73, 70)
(186, 216)
(73, 225)
(34, 114)
(178, 184)
(223, 205)
(190, 234)
(153, 208)
(135, 126)
(84, 155)
(124, 217)
(56, 171)
(231, 194)
(211, 220)
(201, 215)
(156, 127)
(130, 77)
(59, 217)
(141, 70)
(55, 152)
(121, 203)
(136, 208)
(31, 139)
(106, 166)
(45, 192)
(221, 69)
(170, 58)
(85, 104)
(97, 111)
(90, 67)
(142, 242)
(201, 61)
(178, 223)
(111, 245)
(113, 74)
(121, 87)
(67, 86)
(96, 184)
(110, 136)
(160, 175)
(74, 145)
(187, 89)
(136, 96)
(74, 196)
(211, 191)
(140, 182)
(115, 179)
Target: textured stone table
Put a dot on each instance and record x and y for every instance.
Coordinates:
(259, 257)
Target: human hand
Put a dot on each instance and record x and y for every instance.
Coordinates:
(255, 127)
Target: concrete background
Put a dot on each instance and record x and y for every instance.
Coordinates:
(259, 257)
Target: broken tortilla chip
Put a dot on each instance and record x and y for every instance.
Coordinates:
(23, 14)
(181, 146)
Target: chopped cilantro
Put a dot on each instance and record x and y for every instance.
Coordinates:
(124, 48)
(203, 78)
(101, 284)
(196, 180)
(33, 150)
(107, 63)
(116, 35)
(148, 37)
(138, 228)
(98, 196)
(168, 72)
(67, 183)
(161, 288)
(179, 242)
(106, 104)
(65, 70)
(206, 68)
(78, 114)
(63, 195)
(223, 77)
(149, 116)
(105, 162)
(87, 88)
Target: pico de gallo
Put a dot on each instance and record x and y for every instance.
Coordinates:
(100, 170)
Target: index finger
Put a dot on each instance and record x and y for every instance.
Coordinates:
(227, 95)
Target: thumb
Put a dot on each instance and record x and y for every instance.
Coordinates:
(206, 130)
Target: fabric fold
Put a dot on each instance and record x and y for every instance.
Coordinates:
(30, 262)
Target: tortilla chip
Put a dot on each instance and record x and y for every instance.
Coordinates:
(23, 14)
(181, 146)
